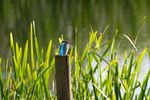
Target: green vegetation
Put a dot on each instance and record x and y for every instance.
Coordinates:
(54, 18)
(97, 73)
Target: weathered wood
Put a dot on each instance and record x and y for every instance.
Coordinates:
(63, 77)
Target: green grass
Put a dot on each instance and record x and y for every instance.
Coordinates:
(28, 77)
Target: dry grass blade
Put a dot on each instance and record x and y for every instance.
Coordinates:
(128, 38)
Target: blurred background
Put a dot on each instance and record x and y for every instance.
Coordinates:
(56, 17)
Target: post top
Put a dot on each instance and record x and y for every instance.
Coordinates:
(62, 56)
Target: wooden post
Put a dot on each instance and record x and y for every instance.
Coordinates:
(63, 77)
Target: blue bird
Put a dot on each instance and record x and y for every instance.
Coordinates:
(64, 48)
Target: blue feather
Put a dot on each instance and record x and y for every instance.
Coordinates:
(63, 48)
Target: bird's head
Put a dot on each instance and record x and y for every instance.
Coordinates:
(65, 42)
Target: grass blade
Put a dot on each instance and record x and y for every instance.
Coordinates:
(1, 81)
(32, 46)
(128, 38)
(144, 86)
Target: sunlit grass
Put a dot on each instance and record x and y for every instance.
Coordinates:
(96, 74)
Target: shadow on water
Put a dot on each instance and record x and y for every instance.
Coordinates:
(54, 18)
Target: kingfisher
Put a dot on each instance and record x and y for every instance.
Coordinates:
(64, 48)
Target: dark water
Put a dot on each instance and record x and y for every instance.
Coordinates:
(56, 17)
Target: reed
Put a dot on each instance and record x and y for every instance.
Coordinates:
(96, 74)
